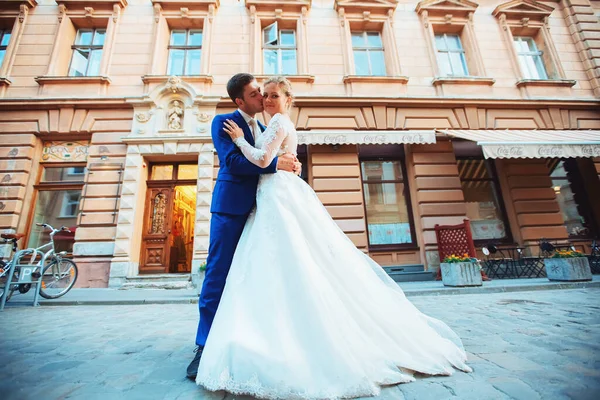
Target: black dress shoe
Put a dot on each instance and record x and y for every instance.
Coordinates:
(192, 369)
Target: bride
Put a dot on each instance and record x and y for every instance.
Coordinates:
(304, 313)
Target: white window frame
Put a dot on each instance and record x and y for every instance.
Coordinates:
(447, 51)
(535, 56)
(186, 49)
(68, 202)
(368, 49)
(89, 47)
(275, 44)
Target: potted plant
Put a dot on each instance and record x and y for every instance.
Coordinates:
(568, 265)
(198, 277)
(461, 271)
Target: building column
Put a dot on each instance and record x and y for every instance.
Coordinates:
(438, 195)
(17, 155)
(95, 236)
(336, 179)
(585, 29)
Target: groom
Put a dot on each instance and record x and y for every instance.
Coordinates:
(234, 196)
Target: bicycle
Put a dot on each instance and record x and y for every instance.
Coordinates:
(58, 276)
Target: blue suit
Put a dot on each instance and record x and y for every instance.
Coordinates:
(234, 196)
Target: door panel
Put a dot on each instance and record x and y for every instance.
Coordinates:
(157, 230)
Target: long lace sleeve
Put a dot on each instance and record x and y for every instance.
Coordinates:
(271, 141)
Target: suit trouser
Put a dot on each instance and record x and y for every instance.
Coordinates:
(225, 232)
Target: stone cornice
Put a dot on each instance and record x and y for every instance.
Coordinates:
(94, 4)
(191, 5)
(303, 101)
(453, 8)
(375, 79)
(371, 7)
(463, 80)
(547, 82)
(523, 9)
(15, 5)
(276, 6)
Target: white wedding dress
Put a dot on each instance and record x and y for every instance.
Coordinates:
(304, 313)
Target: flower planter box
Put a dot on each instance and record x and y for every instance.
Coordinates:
(461, 274)
(568, 269)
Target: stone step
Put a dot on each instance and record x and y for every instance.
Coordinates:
(159, 281)
(404, 268)
(409, 273)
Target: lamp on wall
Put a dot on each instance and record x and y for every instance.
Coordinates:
(336, 147)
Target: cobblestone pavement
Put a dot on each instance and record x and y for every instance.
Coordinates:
(522, 345)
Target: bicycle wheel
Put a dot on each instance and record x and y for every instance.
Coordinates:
(58, 278)
(5, 282)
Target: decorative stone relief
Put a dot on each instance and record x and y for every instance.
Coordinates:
(175, 116)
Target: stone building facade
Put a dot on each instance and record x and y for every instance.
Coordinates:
(411, 114)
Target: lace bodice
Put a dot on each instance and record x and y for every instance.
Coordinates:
(279, 138)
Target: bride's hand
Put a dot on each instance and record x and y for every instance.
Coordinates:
(232, 129)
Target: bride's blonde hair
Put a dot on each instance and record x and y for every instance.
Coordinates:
(285, 86)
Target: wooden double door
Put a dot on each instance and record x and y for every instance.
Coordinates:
(167, 237)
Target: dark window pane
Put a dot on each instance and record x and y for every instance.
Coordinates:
(192, 62)
(444, 62)
(459, 66)
(453, 42)
(175, 66)
(377, 62)
(62, 174)
(161, 173)
(482, 200)
(94, 63)
(79, 62)
(358, 39)
(288, 38)
(84, 37)
(361, 62)
(57, 208)
(574, 221)
(440, 42)
(178, 38)
(290, 65)
(388, 217)
(270, 62)
(99, 38)
(187, 171)
(387, 213)
(374, 39)
(195, 38)
(5, 39)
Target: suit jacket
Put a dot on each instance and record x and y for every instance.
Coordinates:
(235, 189)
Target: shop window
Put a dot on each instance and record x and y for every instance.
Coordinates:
(485, 208)
(57, 204)
(387, 203)
(572, 198)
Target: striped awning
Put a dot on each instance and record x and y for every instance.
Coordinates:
(532, 143)
(366, 137)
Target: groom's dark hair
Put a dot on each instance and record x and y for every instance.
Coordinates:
(237, 83)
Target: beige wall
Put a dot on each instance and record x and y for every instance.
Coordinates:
(230, 52)
(104, 111)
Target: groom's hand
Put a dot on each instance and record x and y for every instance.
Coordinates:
(286, 162)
